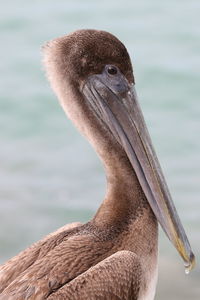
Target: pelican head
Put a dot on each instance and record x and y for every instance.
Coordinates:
(91, 73)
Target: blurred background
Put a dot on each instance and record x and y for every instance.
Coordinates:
(49, 174)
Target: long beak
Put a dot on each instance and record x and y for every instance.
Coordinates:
(115, 102)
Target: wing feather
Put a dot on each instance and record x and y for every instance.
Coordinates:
(117, 277)
(71, 257)
(25, 259)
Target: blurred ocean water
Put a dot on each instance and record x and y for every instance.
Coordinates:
(49, 175)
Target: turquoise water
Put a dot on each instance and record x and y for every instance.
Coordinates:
(49, 175)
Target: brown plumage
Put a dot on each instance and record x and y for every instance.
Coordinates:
(114, 256)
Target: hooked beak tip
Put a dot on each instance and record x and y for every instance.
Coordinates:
(190, 264)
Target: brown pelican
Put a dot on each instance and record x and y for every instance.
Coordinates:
(114, 256)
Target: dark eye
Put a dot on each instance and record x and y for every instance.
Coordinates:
(112, 70)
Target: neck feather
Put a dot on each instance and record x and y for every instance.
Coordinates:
(124, 197)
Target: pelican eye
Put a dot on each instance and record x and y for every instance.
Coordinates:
(112, 70)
